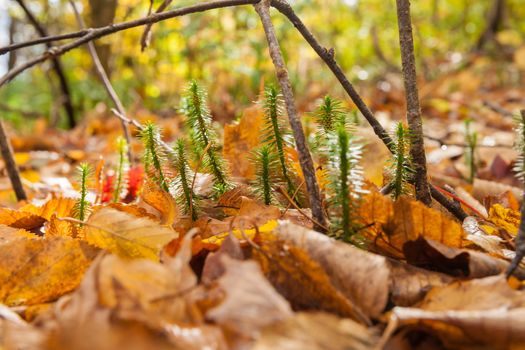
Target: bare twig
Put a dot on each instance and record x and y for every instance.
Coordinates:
(415, 124)
(292, 203)
(105, 81)
(57, 66)
(43, 40)
(10, 165)
(305, 158)
(146, 35)
(329, 58)
(96, 33)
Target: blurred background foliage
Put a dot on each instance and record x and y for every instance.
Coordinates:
(226, 50)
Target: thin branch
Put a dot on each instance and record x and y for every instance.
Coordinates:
(146, 35)
(96, 33)
(57, 67)
(43, 40)
(415, 124)
(105, 81)
(305, 158)
(329, 58)
(10, 165)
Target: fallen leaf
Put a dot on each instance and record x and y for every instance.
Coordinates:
(163, 202)
(316, 331)
(127, 235)
(9, 234)
(250, 302)
(505, 218)
(34, 271)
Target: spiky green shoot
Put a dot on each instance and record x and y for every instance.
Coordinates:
(400, 164)
(82, 206)
(347, 182)
(329, 115)
(519, 146)
(121, 172)
(274, 133)
(183, 189)
(471, 140)
(266, 161)
(201, 132)
(154, 156)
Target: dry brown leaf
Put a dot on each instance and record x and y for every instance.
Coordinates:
(316, 331)
(20, 219)
(9, 234)
(395, 223)
(453, 261)
(482, 313)
(60, 207)
(250, 301)
(163, 202)
(363, 277)
(302, 281)
(34, 271)
(127, 235)
(240, 139)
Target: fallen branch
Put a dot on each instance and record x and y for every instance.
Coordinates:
(105, 81)
(305, 158)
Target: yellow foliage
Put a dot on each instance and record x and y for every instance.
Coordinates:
(505, 218)
(127, 235)
(37, 270)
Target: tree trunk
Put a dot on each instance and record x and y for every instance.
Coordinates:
(102, 13)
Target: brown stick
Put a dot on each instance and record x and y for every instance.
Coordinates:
(10, 165)
(57, 67)
(105, 81)
(415, 124)
(305, 158)
(96, 33)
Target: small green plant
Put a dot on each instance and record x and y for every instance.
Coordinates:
(400, 165)
(329, 115)
(346, 183)
(519, 146)
(82, 206)
(154, 156)
(121, 172)
(275, 135)
(183, 185)
(266, 161)
(203, 137)
(471, 140)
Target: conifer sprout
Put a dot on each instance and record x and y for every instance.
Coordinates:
(275, 134)
(121, 172)
(201, 132)
(471, 138)
(266, 161)
(82, 206)
(519, 146)
(347, 183)
(154, 155)
(183, 186)
(400, 165)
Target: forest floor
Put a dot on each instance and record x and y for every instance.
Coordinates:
(135, 274)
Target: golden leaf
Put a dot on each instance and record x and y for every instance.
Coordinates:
(34, 271)
(20, 219)
(505, 218)
(240, 139)
(163, 202)
(9, 234)
(395, 223)
(127, 235)
(60, 207)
